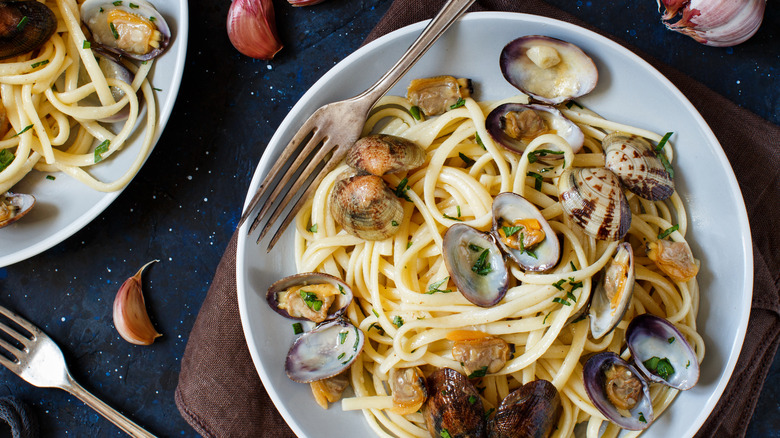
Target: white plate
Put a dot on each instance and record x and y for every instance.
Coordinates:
(65, 206)
(629, 91)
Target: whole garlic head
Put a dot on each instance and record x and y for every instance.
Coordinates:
(718, 23)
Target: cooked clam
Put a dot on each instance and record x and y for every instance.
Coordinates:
(618, 391)
(523, 233)
(408, 389)
(381, 154)
(323, 352)
(674, 259)
(514, 125)
(613, 292)
(329, 390)
(481, 355)
(476, 264)
(13, 206)
(134, 28)
(310, 296)
(635, 162)
(661, 352)
(436, 95)
(453, 406)
(593, 199)
(548, 69)
(365, 207)
(26, 25)
(530, 411)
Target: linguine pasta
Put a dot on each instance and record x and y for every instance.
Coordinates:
(406, 304)
(55, 125)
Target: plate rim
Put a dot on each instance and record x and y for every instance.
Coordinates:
(165, 108)
(741, 218)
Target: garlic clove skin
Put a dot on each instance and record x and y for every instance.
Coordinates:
(717, 23)
(298, 3)
(251, 27)
(130, 317)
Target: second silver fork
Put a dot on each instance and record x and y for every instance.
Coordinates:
(41, 363)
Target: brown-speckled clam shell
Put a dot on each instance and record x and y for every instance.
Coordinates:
(530, 411)
(365, 207)
(15, 205)
(381, 154)
(594, 200)
(453, 404)
(634, 161)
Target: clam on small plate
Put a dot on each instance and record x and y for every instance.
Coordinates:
(65, 206)
(471, 48)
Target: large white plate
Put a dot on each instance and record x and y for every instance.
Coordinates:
(629, 91)
(65, 206)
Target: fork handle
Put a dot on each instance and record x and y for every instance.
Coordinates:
(450, 12)
(122, 422)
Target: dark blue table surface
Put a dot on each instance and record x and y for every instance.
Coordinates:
(183, 206)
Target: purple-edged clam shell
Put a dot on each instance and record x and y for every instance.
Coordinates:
(594, 200)
(650, 336)
(112, 67)
(509, 207)
(325, 351)
(574, 75)
(14, 206)
(634, 160)
(613, 292)
(476, 264)
(94, 13)
(532, 410)
(554, 122)
(337, 308)
(595, 381)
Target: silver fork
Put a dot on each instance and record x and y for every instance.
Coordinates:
(40, 362)
(337, 126)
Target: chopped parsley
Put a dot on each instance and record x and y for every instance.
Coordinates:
(472, 399)
(458, 208)
(662, 143)
(113, 30)
(311, 300)
(522, 247)
(475, 248)
(561, 301)
(479, 141)
(538, 180)
(101, 149)
(377, 327)
(479, 373)
(157, 89)
(375, 313)
(574, 286)
(580, 318)
(446, 216)
(86, 45)
(559, 284)
(297, 328)
(22, 23)
(544, 321)
(6, 158)
(642, 418)
(661, 367)
(533, 156)
(688, 364)
(313, 228)
(394, 223)
(466, 159)
(341, 356)
(133, 6)
(571, 296)
(667, 165)
(39, 63)
(669, 231)
(341, 290)
(670, 340)
(436, 287)
(482, 266)
(398, 321)
(571, 103)
(489, 412)
(400, 191)
(444, 433)
(50, 177)
(409, 244)
(461, 101)
(117, 3)
(510, 231)
(573, 268)
(25, 129)
(152, 19)
(342, 337)
(415, 112)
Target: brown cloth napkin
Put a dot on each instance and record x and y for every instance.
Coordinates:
(220, 394)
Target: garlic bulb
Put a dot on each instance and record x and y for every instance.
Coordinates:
(130, 317)
(251, 27)
(719, 23)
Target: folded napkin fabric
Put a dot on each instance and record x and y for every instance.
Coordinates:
(18, 416)
(220, 394)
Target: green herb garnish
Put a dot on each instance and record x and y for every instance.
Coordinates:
(133, 6)
(479, 141)
(670, 340)
(533, 156)
(415, 112)
(377, 327)
(394, 223)
(152, 19)
(113, 30)
(574, 286)
(39, 63)
(466, 159)
(446, 216)
(669, 231)
(573, 268)
(101, 149)
(117, 3)
(409, 244)
(461, 101)
(444, 433)
(472, 399)
(561, 301)
(662, 143)
(50, 177)
(475, 248)
(313, 228)
(297, 328)
(479, 373)
(341, 356)
(642, 418)
(398, 321)
(559, 284)
(571, 296)
(510, 231)
(489, 412)
(86, 45)
(6, 158)
(400, 191)
(341, 290)
(538, 180)
(482, 266)
(544, 321)
(436, 287)
(342, 337)
(22, 23)
(659, 366)
(311, 300)
(571, 103)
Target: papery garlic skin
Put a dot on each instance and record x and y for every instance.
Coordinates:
(130, 317)
(251, 27)
(718, 23)
(298, 3)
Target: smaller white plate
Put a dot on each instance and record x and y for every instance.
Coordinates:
(65, 206)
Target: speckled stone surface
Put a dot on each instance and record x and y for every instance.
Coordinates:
(184, 204)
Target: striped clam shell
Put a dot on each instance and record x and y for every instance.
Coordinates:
(634, 161)
(593, 199)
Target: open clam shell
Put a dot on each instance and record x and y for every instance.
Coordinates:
(276, 295)
(652, 339)
(134, 28)
(634, 161)
(599, 372)
(593, 199)
(548, 69)
(13, 206)
(453, 406)
(529, 411)
(613, 292)
(476, 264)
(513, 127)
(327, 350)
(510, 212)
